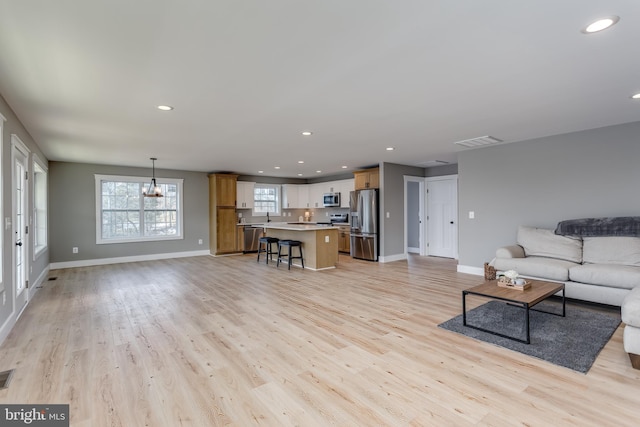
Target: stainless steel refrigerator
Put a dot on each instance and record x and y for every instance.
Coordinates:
(364, 224)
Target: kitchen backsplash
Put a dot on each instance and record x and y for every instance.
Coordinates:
(292, 215)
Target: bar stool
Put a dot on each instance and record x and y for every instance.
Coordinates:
(267, 241)
(289, 244)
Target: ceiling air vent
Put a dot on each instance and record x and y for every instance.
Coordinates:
(430, 163)
(480, 141)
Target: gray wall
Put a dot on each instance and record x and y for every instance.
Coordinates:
(443, 170)
(73, 213)
(543, 181)
(40, 264)
(392, 201)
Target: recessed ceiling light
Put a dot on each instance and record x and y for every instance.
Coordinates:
(299, 174)
(318, 171)
(301, 161)
(636, 96)
(390, 148)
(165, 107)
(601, 24)
(276, 167)
(307, 133)
(260, 171)
(344, 167)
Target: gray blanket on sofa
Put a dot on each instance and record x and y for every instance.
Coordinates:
(611, 226)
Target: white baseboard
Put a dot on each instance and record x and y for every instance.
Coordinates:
(7, 326)
(413, 250)
(477, 271)
(11, 320)
(391, 258)
(119, 260)
(33, 288)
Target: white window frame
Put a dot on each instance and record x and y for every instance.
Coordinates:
(2, 120)
(278, 200)
(38, 249)
(144, 182)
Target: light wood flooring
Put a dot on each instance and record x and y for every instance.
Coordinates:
(209, 341)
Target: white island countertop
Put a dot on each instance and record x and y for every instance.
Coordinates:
(297, 227)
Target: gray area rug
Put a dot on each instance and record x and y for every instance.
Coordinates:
(573, 341)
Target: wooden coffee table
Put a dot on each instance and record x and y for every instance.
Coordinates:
(539, 291)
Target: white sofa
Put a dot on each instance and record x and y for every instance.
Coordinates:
(597, 269)
(630, 313)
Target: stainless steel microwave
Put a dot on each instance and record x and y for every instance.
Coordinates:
(330, 200)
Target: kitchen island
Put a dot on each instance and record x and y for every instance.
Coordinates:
(319, 242)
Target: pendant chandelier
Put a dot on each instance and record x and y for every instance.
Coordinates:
(154, 189)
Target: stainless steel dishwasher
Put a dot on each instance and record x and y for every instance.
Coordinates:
(251, 236)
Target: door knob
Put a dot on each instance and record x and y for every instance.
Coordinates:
(19, 244)
(451, 222)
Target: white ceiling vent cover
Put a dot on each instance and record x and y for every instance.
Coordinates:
(429, 163)
(480, 141)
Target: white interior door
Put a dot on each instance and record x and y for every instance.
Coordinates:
(442, 216)
(20, 169)
(414, 215)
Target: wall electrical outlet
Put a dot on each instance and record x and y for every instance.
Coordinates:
(326, 239)
(74, 249)
(472, 214)
(199, 241)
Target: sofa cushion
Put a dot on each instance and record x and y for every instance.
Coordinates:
(547, 268)
(612, 250)
(544, 243)
(513, 251)
(614, 276)
(630, 309)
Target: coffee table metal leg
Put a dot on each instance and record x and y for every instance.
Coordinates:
(526, 321)
(564, 312)
(464, 308)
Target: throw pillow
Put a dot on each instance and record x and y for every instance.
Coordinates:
(545, 243)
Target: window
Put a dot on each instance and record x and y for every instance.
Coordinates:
(266, 199)
(2, 120)
(124, 215)
(39, 206)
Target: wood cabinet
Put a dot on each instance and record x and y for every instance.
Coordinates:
(223, 187)
(344, 239)
(226, 230)
(244, 194)
(240, 238)
(367, 178)
(222, 214)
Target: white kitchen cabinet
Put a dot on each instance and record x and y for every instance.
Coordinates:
(303, 197)
(244, 195)
(316, 191)
(290, 199)
(345, 187)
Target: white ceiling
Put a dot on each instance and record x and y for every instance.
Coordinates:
(247, 76)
